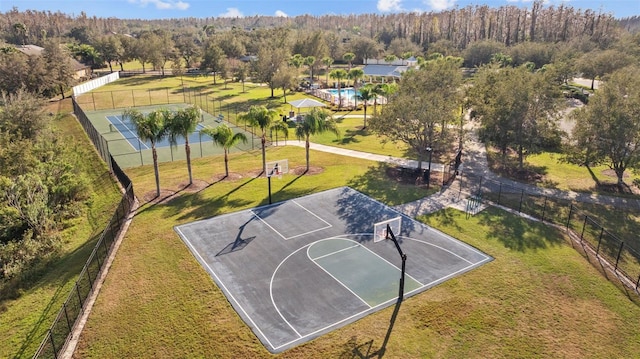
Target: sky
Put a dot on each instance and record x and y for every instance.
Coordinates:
(163, 9)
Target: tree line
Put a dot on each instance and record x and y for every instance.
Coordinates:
(506, 24)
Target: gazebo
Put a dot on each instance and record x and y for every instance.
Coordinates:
(303, 103)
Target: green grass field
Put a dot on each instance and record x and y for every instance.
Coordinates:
(555, 173)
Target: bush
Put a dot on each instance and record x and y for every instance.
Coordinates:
(575, 92)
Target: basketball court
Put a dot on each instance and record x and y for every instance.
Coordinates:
(298, 269)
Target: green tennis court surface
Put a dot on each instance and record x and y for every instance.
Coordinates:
(129, 151)
(301, 268)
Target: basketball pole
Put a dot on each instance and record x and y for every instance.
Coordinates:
(391, 236)
(403, 256)
(269, 184)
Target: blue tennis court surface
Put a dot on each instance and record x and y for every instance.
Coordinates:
(128, 131)
(298, 269)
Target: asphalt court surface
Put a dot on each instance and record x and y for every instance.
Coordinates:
(301, 268)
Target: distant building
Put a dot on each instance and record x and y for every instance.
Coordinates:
(384, 69)
(81, 71)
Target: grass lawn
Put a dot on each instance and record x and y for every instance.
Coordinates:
(538, 298)
(353, 137)
(25, 319)
(553, 173)
(572, 177)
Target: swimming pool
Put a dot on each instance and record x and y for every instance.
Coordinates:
(346, 93)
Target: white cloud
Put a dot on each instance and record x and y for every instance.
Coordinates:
(389, 5)
(162, 4)
(439, 5)
(232, 12)
(280, 13)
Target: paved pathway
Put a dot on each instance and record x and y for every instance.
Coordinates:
(475, 164)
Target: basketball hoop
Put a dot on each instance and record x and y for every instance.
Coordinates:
(380, 230)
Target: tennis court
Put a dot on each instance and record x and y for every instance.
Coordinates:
(298, 269)
(129, 151)
(126, 128)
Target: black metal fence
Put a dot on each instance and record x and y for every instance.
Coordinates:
(60, 331)
(98, 140)
(623, 255)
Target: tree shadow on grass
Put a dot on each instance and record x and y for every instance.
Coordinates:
(519, 234)
(376, 183)
(349, 136)
(195, 206)
(444, 217)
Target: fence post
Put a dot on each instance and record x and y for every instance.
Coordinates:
(90, 280)
(600, 239)
(618, 257)
(113, 102)
(53, 345)
(79, 297)
(133, 98)
(93, 99)
(66, 316)
(521, 197)
(584, 225)
(97, 257)
(570, 212)
(544, 207)
(500, 193)
(149, 93)
(104, 242)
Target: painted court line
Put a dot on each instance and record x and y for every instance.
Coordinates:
(135, 135)
(273, 302)
(332, 253)
(226, 290)
(439, 247)
(331, 275)
(328, 225)
(361, 313)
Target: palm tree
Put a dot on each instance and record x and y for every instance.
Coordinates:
(261, 117)
(327, 62)
(355, 74)
(366, 94)
(338, 74)
(150, 128)
(384, 90)
(182, 124)
(315, 122)
(279, 126)
(311, 62)
(348, 57)
(223, 136)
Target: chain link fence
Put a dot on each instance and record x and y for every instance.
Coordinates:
(129, 152)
